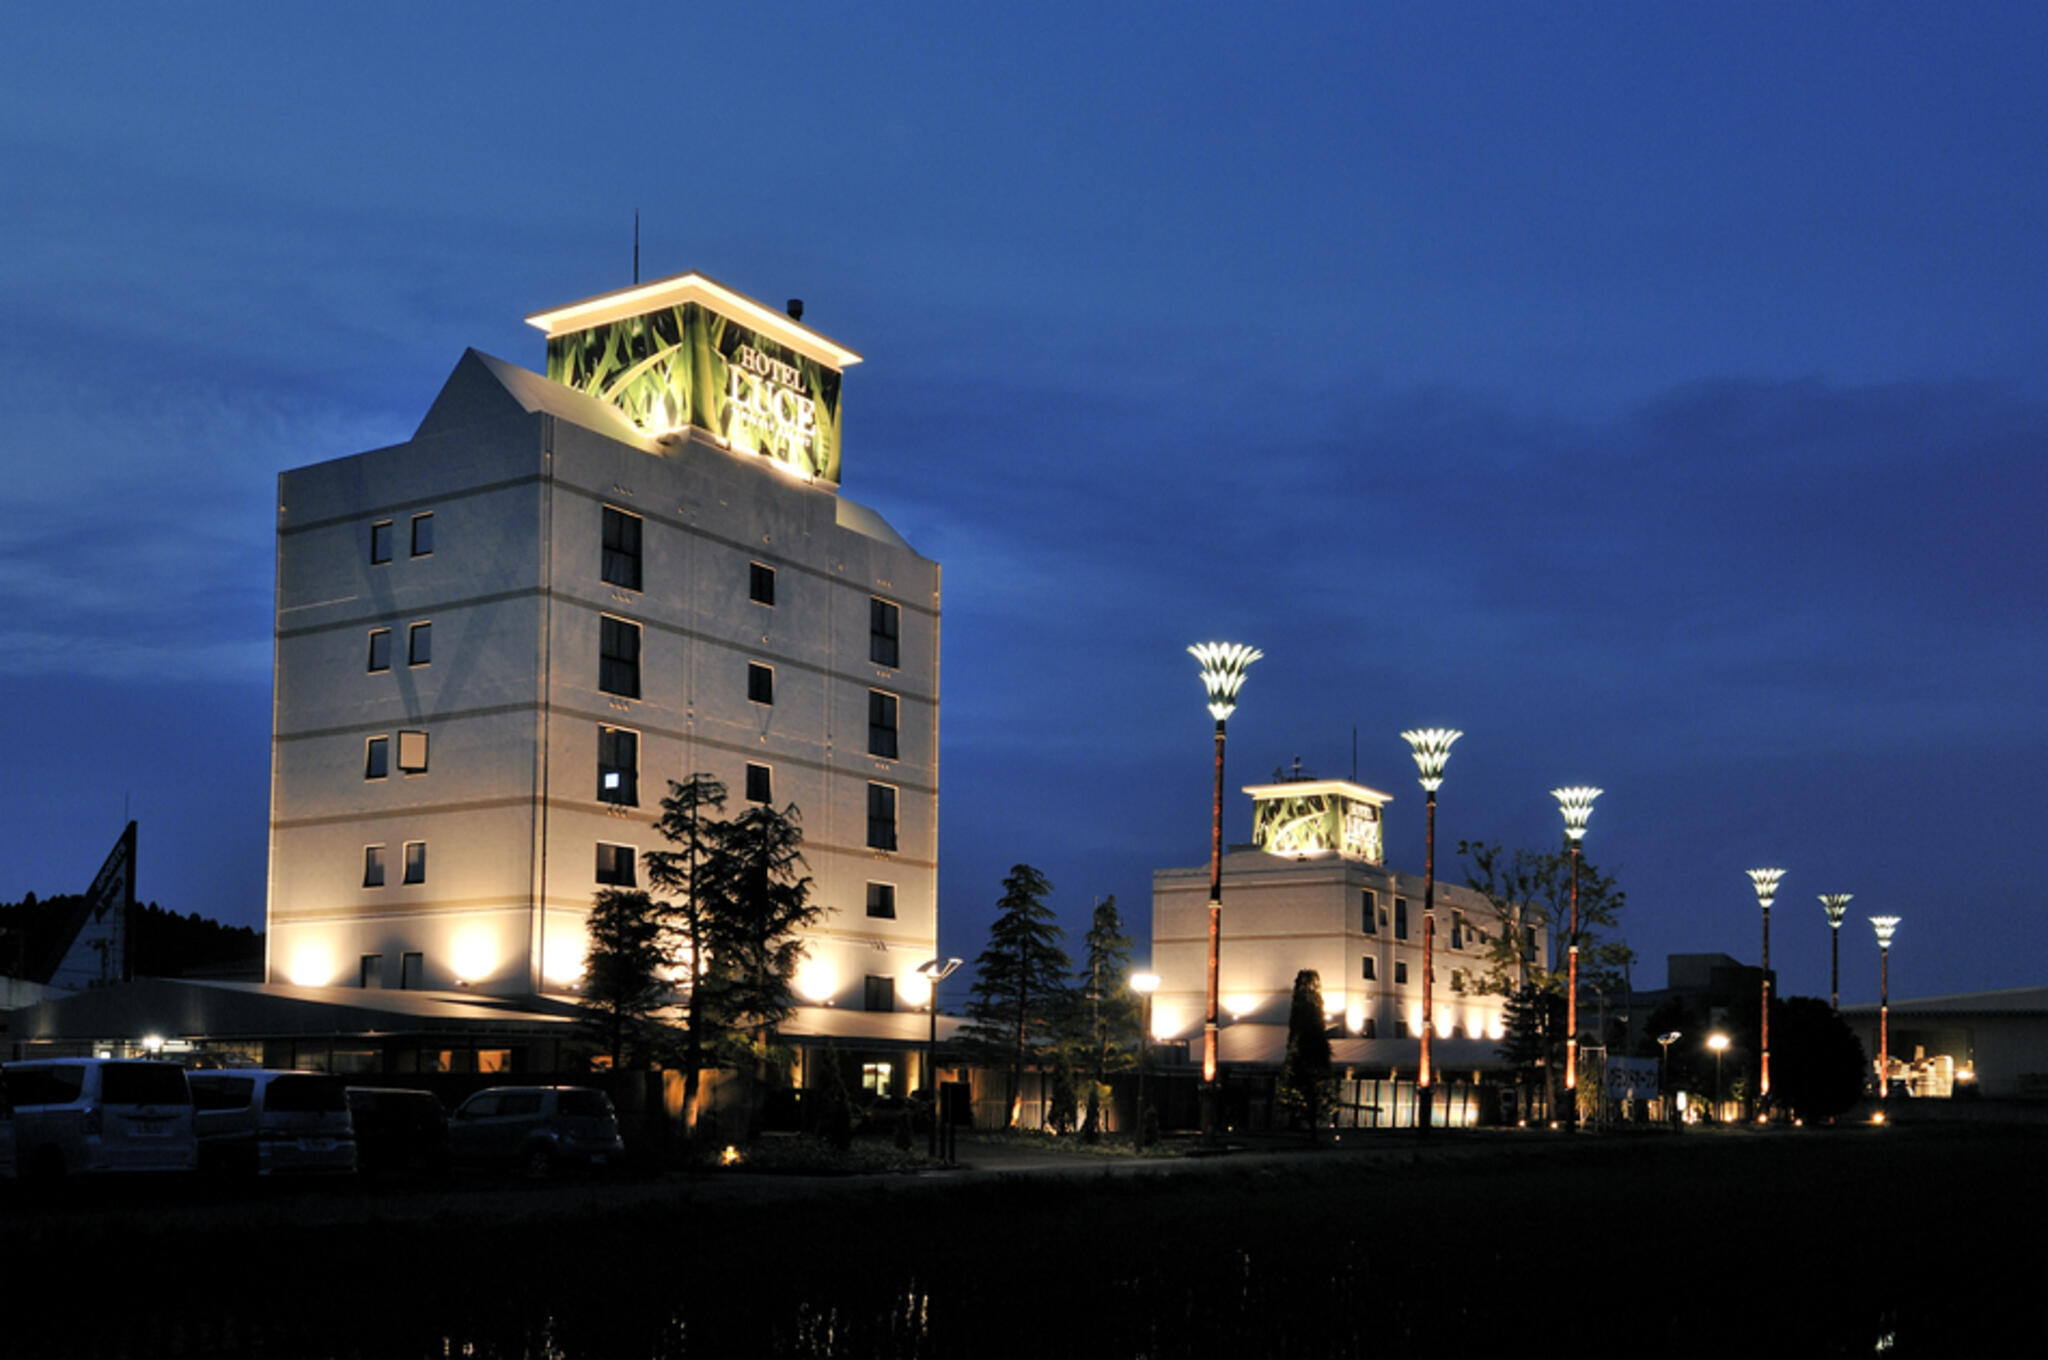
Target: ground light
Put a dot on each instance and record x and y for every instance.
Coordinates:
(1887, 926)
(1432, 748)
(1766, 881)
(1837, 906)
(935, 971)
(1144, 984)
(1577, 805)
(1223, 668)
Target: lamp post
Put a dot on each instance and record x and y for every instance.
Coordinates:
(1664, 1042)
(1886, 926)
(1432, 748)
(1719, 1043)
(1766, 881)
(1837, 906)
(935, 972)
(1144, 984)
(1577, 805)
(1223, 667)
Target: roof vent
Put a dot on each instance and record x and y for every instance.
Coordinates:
(795, 309)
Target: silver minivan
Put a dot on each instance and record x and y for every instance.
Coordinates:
(264, 1122)
(75, 1116)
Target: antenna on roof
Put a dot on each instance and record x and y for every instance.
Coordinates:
(1354, 753)
(636, 247)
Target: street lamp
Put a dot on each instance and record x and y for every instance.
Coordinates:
(1837, 906)
(1144, 984)
(1766, 881)
(1664, 1042)
(1577, 805)
(1223, 667)
(1719, 1043)
(1432, 748)
(935, 972)
(1886, 925)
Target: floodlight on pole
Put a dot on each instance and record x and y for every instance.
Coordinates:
(1887, 926)
(1223, 669)
(1577, 805)
(1837, 906)
(1432, 749)
(934, 971)
(1766, 882)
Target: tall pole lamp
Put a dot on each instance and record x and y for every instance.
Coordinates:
(1577, 805)
(1432, 748)
(1837, 906)
(1223, 667)
(935, 972)
(1144, 984)
(1886, 926)
(1766, 881)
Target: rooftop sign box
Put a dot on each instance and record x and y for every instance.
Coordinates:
(1314, 816)
(689, 353)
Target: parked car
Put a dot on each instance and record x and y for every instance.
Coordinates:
(539, 1129)
(398, 1129)
(256, 1121)
(78, 1116)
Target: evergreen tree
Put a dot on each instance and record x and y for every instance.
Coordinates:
(1020, 996)
(689, 908)
(1306, 1081)
(1105, 978)
(622, 984)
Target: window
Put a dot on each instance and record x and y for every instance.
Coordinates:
(412, 971)
(618, 653)
(761, 583)
(1369, 916)
(373, 866)
(377, 758)
(1458, 980)
(380, 542)
(1457, 931)
(423, 534)
(760, 683)
(371, 971)
(419, 644)
(1370, 972)
(879, 994)
(1528, 942)
(1370, 1030)
(1400, 918)
(415, 861)
(1401, 1029)
(412, 752)
(881, 724)
(615, 865)
(882, 901)
(380, 649)
(875, 1078)
(760, 784)
(881, 817)
(885, 624)
(1400, 973)
(618, 766)
(621, 564)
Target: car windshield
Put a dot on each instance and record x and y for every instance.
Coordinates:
(59, 1085)
(143, 1083)
(222, 1093)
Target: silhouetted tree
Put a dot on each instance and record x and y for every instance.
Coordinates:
(1020, 996)
(1306, 1086)
(1817, 1062)
(1112, 1010)
(622, 983)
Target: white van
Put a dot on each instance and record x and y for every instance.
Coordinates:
(265, 1122)
(75, 1116)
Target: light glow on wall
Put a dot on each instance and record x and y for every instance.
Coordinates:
(1166, 1021)
(475, 955)
(816, 981)
(312, 965)
(913, 988)
(1240, 1004)
(563, 961)
(1354, 1017)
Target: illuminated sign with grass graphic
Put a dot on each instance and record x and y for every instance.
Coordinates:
(1311, 816)
(689, 353)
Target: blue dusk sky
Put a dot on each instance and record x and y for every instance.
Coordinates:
(1658, 393)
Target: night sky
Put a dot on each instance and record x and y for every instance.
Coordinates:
(1659, 394)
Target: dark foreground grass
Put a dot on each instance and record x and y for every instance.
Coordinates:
(1923, 1242)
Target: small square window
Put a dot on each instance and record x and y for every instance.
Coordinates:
(1400, 973)
(415, 861)
(881, 817)
(380, 542)
(760, 784)
(419, 644)
(615, 865)
(879, 994)
(377, 758)
(373, 866)
(882, 901)
(370, 973)
(881, 724)
(885, 624)
(380, 649)
(760, 683)
(423, 534)
(618, 657)
(620, 563)
(761, 583)
(412, 971)
(618, 766)
(1370, 972)
(412, 752)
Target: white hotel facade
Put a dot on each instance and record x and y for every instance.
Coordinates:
(497, 642)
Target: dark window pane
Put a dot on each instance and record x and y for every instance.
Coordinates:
(881, 724)
(419, 644)
(377, 758)
(880, 994)
(621, 564)
(760, 787)
(882, 901)
(618, 766)
(885, 622)
(415, 861)
(1400, 918)
(618, 667)
(760, 683)
(422, 534)
(373, 866)
(380, 649)
(380, 542)
(761, 584)
(881, 817)
(615, 865)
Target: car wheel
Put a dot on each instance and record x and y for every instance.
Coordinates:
(540, 1163)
